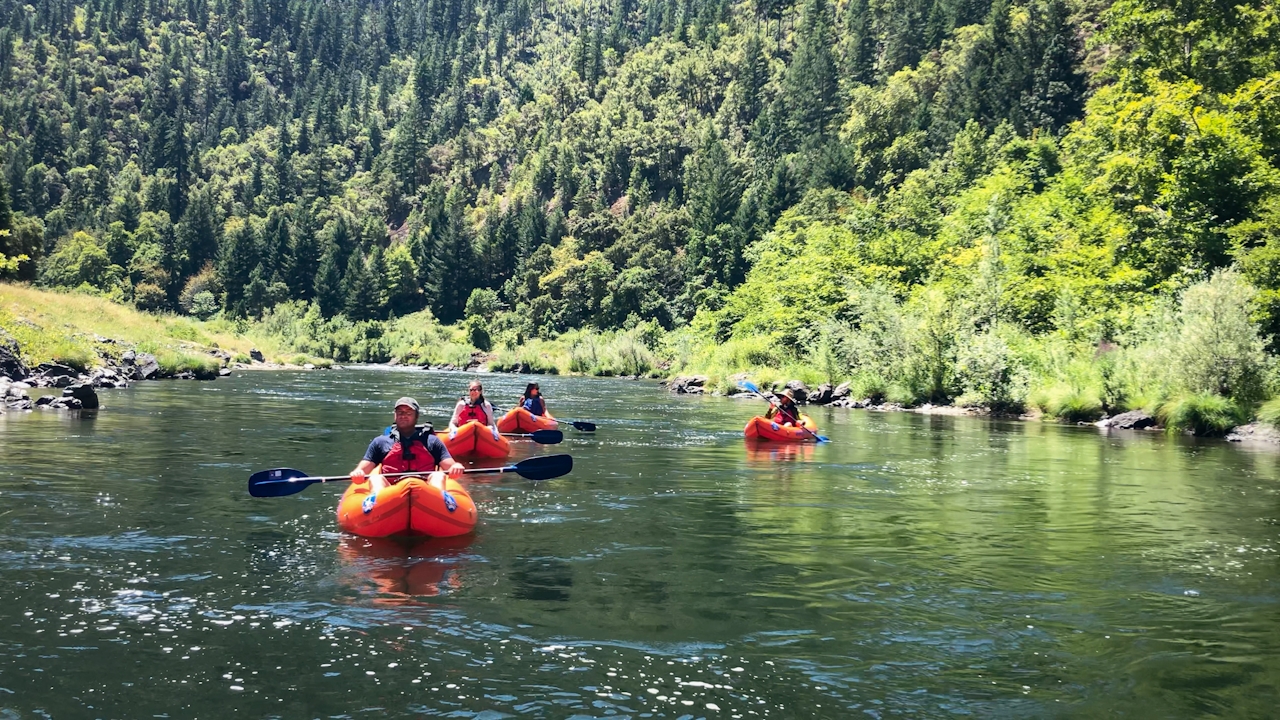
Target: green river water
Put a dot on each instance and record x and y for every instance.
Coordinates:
(916, 566)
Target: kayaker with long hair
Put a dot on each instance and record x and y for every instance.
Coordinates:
(473, 407)
(785, 411)
(533, 401)
(404, 449)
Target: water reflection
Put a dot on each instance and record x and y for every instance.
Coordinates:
(765, 452)
(395, 571)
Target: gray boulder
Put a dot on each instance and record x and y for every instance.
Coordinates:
(1132, 420)
(82, 393)
(145, 367)
(841, 392)
(11, 363)
(54, 375)
(687, 385)
(799, 389)
(822, 395)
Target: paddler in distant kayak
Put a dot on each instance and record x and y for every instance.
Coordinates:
(785, 412)
(534, 402)
(473, 407)
(405, 449)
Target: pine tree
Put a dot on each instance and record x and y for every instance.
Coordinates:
(809, 87)
(753, 73)
(713, 185)
(360, 290)
(859, 42)
(238, 258)
(328, 283)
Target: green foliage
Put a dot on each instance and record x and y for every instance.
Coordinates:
(1201, 414)
(1068, 402)
(1269, 413)
(915, 198)
(1219, 350)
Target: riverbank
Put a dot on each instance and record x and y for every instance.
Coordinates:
(1047, 379)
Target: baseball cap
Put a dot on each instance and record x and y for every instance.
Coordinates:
(410, 402)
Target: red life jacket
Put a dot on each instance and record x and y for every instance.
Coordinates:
(472, 412)
(416, 459)
(784, 416)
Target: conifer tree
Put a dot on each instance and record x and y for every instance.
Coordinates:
(328, 283)
(809, 87)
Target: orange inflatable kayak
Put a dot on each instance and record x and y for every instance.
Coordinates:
(519, 420)
(476, 441)
(759, 428)
(413, 507)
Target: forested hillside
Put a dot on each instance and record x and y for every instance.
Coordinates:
(937, 199)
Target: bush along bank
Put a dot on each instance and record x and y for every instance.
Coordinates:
(1194, 362)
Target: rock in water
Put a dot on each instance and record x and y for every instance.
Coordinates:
(11, 364)
(82, 392)
(1132, 420)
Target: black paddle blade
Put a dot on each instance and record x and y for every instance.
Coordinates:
(547, 437)
(277, 482)
(545, 467)
(584, 426)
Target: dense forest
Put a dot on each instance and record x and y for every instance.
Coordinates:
(1066, 203)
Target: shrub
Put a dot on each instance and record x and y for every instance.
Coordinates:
(149, 297)
(478, 332)
(629, 356)
(990, 375)
(203, 305)
(869, 385)
(1218, 350)
(1068, 403)
(204, 281)
(1200, 414)
(172, 362)
(1269, 413)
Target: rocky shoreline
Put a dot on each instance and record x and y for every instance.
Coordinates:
(841, 396)
(79, 389)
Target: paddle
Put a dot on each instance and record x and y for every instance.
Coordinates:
(751, 388)
(287, 481)
(581, 425)
(544, 437)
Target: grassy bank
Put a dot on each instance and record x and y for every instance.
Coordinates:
(1196, 366)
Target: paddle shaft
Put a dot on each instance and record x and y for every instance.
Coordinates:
(336, 478)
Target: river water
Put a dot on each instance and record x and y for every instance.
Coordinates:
(915, 566)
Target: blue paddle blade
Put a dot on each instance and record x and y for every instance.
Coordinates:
(547, 437)
(545, 467)
(277, 482)
(748, 386)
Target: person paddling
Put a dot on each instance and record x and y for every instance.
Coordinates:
(473, 407)
(405, 449)
(785, 412)
(534, 402)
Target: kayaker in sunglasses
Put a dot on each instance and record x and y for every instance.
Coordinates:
(533, 401)
(785, 411)
(405, 449)
(473, 407)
